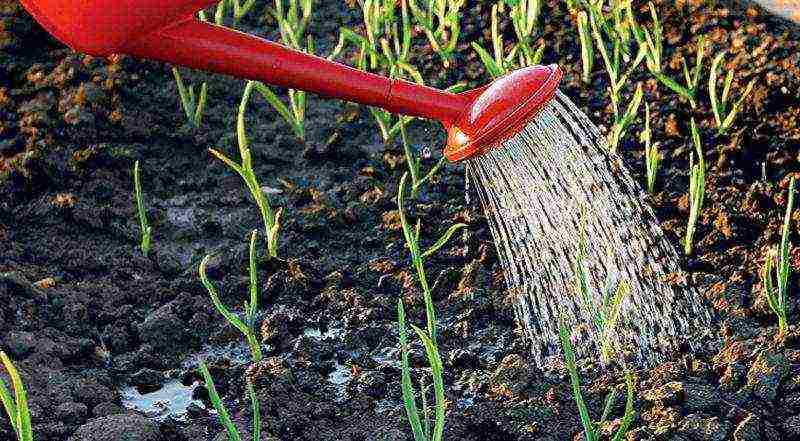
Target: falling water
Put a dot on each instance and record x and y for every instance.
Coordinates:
(540, 190)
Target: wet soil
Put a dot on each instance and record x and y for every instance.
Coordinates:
(86, 317)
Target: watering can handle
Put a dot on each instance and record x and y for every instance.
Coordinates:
(199, 45)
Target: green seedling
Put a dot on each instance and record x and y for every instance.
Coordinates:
(239, 11)
(271, 220)
(614, 56)
(293, 25)
(697, 189)
(385, 48)
(144, 226)
(418, 257)
(612, 19)
(193, 105)
(724, 116)
(590, 428)
(415, 164)
(605, 314)
(524, 15)
(219, 14)
(423, 430)
(222, 412)
(16, 406)
(652, 158)
(778, 299)
(440, 20)
(587, 47)
(247, 326)
(652, 43)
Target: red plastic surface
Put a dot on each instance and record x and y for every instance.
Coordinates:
(166, 30)
(502, 110)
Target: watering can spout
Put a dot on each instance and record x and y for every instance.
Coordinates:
(168, 31)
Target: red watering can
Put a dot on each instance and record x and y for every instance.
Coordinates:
(167, 30)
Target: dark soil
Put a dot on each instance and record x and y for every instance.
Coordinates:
(84, 314)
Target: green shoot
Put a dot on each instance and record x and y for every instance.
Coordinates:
(697, 189)
(240, 9)
(222, 412)
(612, 20)
(524, 16)
(572, 5)
(590, 427)
(652, 44)
(496, 64)
(778, 299)
(415, 163)
(440, 20)
(17, 406)
(606, 314)
(245, 170)
(652, 158)
(248, 326)
(418, 256)
(428, 336)
(723, 116)
(421, 433)
(293, 23)
(192, 105)
(256, 408)
(144, 226)
(385, 48)
(407, 387)
(219, 14)
(613, 58)
(587, 48)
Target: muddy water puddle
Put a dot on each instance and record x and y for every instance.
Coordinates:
(172, 400)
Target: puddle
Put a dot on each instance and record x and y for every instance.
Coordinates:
(236, 354)
(388, 357)
(171, 401)
(339, 378)
(318, 334)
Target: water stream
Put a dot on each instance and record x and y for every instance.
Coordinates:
(537, 189)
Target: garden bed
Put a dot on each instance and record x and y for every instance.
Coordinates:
(85, 316)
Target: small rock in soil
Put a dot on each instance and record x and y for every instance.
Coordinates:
(147, 378)
(71, 413)
(766, 374)
(163, 329)
(747, 430)
(792, 426)
(668, 394)
(20, 343)
(106, 409)
(700, 396)
(90, 392)
(703, 428)
(118, 427)
(513, 374)
(280, 327)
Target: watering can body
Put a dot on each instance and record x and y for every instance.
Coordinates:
(104, 27)
(168, 31)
